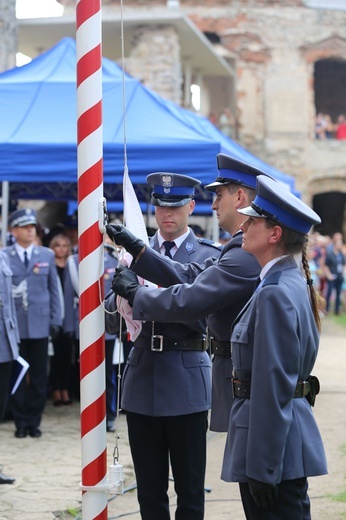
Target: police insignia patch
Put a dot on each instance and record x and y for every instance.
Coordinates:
(167, 182)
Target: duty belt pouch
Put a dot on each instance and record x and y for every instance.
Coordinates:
(314, 389)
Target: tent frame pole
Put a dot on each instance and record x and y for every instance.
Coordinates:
(4, 211)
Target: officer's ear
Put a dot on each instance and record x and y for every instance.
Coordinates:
(275, 234)
(191, 206)
(241, 199)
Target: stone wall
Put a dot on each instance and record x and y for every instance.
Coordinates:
(276, 44)
(164, 74)
(8, 32)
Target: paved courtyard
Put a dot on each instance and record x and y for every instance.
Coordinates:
(47, 469)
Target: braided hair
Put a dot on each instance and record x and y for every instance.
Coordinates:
(318, 303)
(294, 243)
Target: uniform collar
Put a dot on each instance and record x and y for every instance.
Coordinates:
(270, 264)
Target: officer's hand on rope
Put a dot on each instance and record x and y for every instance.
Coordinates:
(54, 332)
(125, 283)
(265, 495)
(123, 237)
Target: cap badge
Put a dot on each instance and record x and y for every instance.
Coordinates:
(167, 183)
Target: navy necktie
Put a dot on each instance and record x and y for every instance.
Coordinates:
(168, 246)
(26, 259)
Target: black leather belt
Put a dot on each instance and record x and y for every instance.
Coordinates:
(220, 348)
(158, 343)
(243, 389)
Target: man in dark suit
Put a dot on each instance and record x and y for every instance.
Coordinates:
(218, 288)
(166, 389)
(38, 309)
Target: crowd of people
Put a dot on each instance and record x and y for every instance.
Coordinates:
(327, 260)
(326, 129)
(39, 308)
(262, 292)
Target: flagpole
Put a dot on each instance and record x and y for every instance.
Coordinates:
(90, 191)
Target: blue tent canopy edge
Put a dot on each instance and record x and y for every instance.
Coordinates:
(38, 143)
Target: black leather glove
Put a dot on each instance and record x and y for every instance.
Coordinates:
(123, 237)
(54, 331)
(125, 283)
(265, 495)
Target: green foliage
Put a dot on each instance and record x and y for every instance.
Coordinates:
(340, 320)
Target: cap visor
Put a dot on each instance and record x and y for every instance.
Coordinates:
(250, 212)
(214, 185)
(170, 203)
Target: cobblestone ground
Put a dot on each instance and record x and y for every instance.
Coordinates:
(47, 470)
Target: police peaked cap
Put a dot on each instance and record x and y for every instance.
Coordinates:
(274, 201)
(234, 171)
(171, 189)
(22, 217)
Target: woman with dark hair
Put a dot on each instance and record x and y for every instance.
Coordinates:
(61, 360)
(273, 441)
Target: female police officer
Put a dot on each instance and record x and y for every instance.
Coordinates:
(273, 441)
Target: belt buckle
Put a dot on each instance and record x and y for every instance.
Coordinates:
(305, 388)
(156, 343)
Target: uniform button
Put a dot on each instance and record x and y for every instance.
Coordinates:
(270, 470)
(238, 334)
(202, 360)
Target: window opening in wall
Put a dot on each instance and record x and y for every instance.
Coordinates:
(213, 37)
(196, 97)
(330, 99)
(331, 207)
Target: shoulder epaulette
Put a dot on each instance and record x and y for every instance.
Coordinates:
(211, 243)
(273, 279)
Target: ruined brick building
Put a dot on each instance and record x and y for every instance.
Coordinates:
(280, 63)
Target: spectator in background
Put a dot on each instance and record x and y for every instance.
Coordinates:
(320, 126)
(340, 127)
(71, 230)
(226, 123)
(212, 118)
(114, 356)
(319, 245)
(329, 126)
(335, 270)
(61, 361)
(71, 325)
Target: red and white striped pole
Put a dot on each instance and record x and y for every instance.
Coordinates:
(90, 192)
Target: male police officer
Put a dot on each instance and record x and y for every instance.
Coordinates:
(167, 380)
(36, 295)
(218, 288)
(9, 339)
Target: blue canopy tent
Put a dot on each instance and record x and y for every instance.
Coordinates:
(38, 136)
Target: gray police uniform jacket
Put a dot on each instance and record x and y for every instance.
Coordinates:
(218, 289)
(173, 382)
(9, 336)
(71, 291)
(35, 291)
(272, 436)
